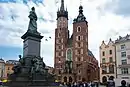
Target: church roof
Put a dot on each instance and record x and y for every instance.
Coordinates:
(1, 60)
(90, 53)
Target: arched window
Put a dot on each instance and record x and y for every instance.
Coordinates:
(69, 55)
(78, 29)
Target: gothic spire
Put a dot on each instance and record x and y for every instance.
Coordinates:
(62, 12)
(62, 5)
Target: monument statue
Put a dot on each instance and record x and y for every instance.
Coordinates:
(32, 23)
(31, 70)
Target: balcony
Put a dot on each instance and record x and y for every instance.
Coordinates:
(124, 66)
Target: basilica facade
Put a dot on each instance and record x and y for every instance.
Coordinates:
(73, 61)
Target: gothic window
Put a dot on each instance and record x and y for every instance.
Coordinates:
(69, 54)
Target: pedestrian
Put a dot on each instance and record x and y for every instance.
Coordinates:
(111, 82)
(123, 83)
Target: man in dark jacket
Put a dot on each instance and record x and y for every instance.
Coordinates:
(123, 83)
(111, 82)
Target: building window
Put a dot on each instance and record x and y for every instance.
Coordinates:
(79, 38)
(79, 72)
(59, 34)
(110, 60)
(124, 61)
(124, 70)
(78, 58)
(104, 69)
(78, 51)
(103, 53)
(111, 68)
(59, 47)
(59, 53)
(8, 68)
(103, 60)
(59, 59)
(62, 40)
(79, 77)
(69, 54)
(79, 44)
(78, 29)
(81, 51)
(59, 72)
(81, 58)
(123, 54)
(123, 46)
(110, 51)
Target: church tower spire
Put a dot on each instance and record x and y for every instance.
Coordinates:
(62, 5)
(80, 17)
(62, 12)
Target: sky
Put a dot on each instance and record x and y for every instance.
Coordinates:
(106, 19)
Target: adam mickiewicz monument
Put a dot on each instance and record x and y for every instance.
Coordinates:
(31, 70)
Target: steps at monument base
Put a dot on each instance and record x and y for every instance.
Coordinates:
(29, 84)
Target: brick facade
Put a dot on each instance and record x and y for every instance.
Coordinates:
(73, 60)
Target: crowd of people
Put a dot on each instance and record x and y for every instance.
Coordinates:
(79, 84)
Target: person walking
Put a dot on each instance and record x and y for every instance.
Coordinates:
(123, 83)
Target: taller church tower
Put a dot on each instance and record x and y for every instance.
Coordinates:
(61, 37)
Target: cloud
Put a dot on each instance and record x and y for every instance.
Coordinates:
(105, 19)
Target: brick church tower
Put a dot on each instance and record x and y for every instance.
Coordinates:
(73, 60)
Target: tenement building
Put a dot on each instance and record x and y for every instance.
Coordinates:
(107, 61)
(123, 58)
(73, 60)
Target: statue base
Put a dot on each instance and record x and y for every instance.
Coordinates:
(26, 81)
(30, 72)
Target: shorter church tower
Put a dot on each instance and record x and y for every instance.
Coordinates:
(80, 45)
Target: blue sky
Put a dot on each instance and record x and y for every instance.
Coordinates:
(10, 52)
(106, 19)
